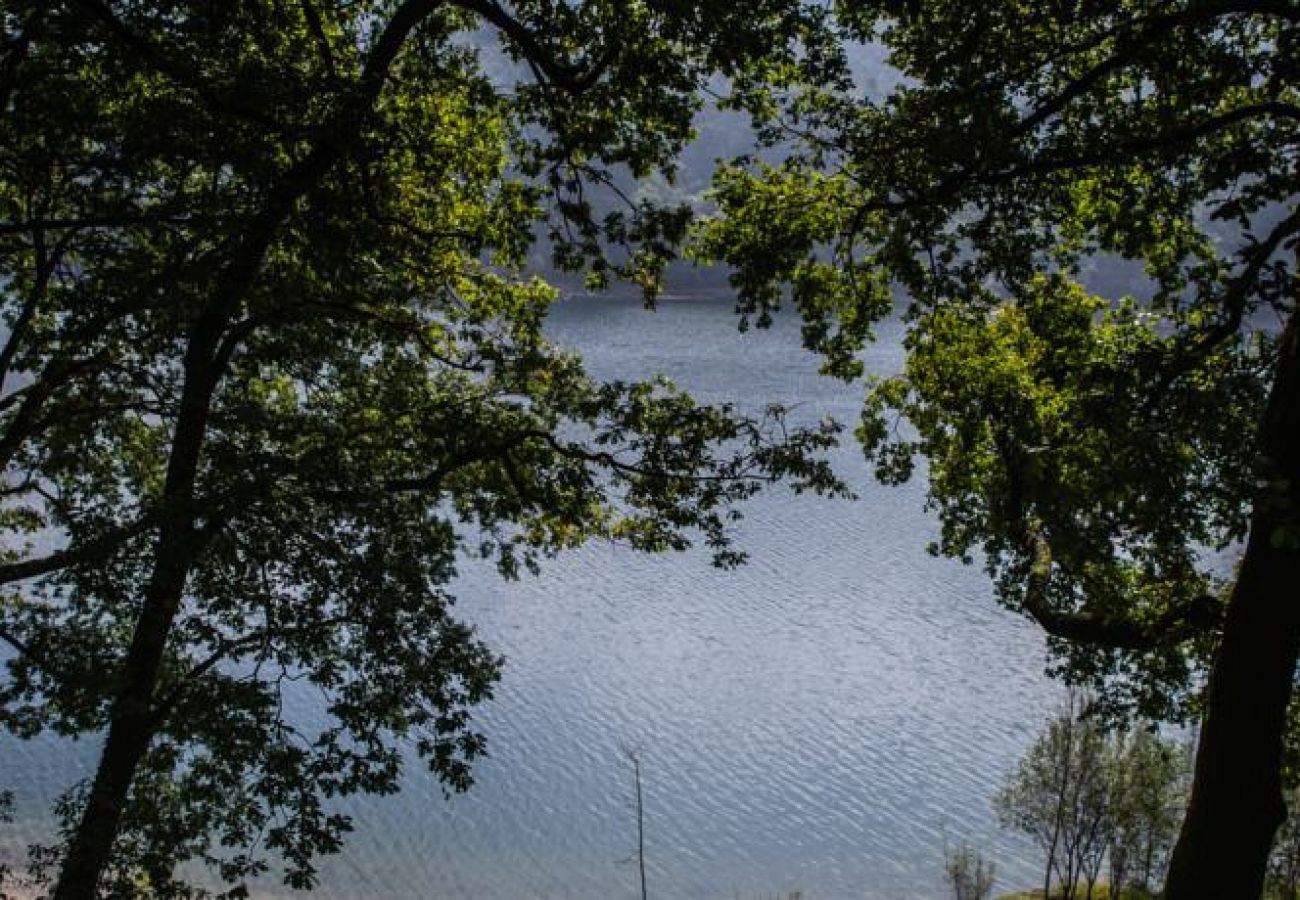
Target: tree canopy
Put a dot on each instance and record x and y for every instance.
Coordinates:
(1092, 449)
(271, 366)
(271, 369)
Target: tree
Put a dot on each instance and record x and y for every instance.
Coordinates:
(1284, 863)
(6, 816)
(970, 875)
(1088, 796)
(270, 369)
(1059, 795)
(1088, 447)
(1147, 798)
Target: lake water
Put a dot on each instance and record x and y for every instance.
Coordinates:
(821, 720)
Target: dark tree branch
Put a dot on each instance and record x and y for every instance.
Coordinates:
(405, 20)
(317, 28)
(1200, 615)
(23, 648)
(1131, 47)
(236, 335)
(1122, 152)
(226, 649)
(79, 223)
(18, 332)
(498, 451)
(1117, 154)
(410, 330)
(571, 78)
(745, 472)
(1235, 301)
(47, 262)
(433, 480)
(25, 420)
(78, 554)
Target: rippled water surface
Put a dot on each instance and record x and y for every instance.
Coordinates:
(820, 720)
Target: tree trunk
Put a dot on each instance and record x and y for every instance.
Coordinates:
(1236, 804)
(130, 733)
(131, 729)
(134, 721)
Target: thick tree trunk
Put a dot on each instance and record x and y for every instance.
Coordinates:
(1236, 804)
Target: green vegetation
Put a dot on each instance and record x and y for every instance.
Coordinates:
(1059, 797)
(1086, 449)
(273, 364)
(1148, 781)
(6, 816)
(1088, 797)
(1099, 892)
(969, 874)
(270, 367)
(1284, 864)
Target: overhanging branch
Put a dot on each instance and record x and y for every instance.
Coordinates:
(572, 78)
(1181, 621)
(1200, 615)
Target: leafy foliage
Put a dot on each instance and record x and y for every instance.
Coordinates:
(1148, 794)
(1085, 795)
(1093, 450)
(1101, 451)
(1040, 432)
(1059, 796)
(969, 874)
(271, 370)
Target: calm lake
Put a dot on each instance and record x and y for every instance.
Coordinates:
(820, 720)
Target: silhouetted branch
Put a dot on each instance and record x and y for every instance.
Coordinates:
(77, 554)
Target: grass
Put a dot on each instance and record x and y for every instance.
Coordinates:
(1100, 892)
